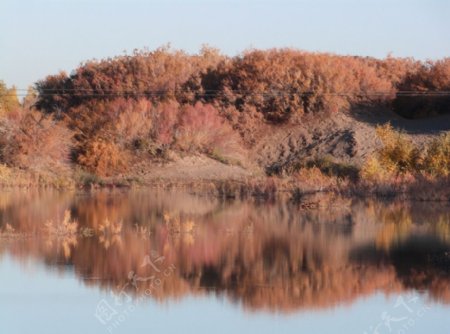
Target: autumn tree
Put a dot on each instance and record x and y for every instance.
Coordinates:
(8, 99)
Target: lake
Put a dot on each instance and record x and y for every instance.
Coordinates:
(157, 261)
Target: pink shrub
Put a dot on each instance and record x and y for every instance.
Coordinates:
(164, 120)
(202, 128)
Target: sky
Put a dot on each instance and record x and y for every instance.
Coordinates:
(43, 37)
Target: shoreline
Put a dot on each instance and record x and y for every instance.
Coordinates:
(261, 188)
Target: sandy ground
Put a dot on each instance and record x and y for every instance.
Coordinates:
(347, 137)
(195, 168)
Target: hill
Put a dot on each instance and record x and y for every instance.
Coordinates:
(280, 113)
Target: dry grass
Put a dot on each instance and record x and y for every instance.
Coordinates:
(110, 233)
(176, 225)
(65, 233)
(67, 227)
(9, 232)
(15, 177)
(313, 179)
(110, 228)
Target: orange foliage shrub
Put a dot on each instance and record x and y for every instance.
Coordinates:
(248, 123)
(133, 122)
(432, 81)
(395, 70)
(113, 126)
(159, 75)
(29, 139)
(285, 83)
(121, 120)
(282, 84)
(277, 83)
(103, 158)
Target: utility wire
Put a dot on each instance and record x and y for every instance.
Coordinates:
(76, 92)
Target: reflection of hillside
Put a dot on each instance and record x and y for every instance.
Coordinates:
(421, 262)
(267, 256)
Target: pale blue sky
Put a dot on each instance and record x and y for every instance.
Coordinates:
(41, 37)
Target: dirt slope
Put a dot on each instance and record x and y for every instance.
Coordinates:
(344, 137)
(347, 137)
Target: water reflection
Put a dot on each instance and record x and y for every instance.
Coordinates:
(274, 256)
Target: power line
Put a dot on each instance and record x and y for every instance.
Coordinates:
(79, 92)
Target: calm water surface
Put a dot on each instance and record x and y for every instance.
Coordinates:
(170, 262)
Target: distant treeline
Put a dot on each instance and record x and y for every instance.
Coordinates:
(281, 84)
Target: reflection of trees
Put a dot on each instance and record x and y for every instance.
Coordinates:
(273, 256)
(396, 222)
(421, 262)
